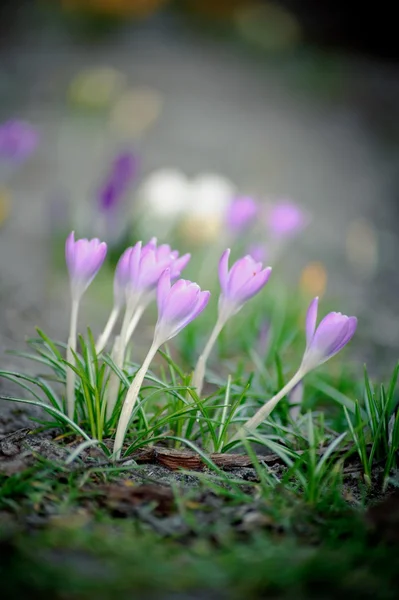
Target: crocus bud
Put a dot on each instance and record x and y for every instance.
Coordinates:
(241, 213)
(147, 263)
(323, 342)
(84, 258)
(243, 281)
(178, 305)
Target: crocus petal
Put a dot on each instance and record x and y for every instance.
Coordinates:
(202, 301)
(182, 299)
(84, 259)
(122, 274)
(224, 270)
(69, 253)
(254, 285)
(163, 290)
(177, 306)
(135, 261)
(347, 335)
(177, 266)
(242, 273)
(311, 318)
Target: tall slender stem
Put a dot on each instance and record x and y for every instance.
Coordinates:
(135, 321)
(252, 423)
(199, 371)
(70, 373)
(103, 339)
(130, 400)
(118, 354)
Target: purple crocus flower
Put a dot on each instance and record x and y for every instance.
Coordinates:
(241, 213)
(147, 263)
(323, 342)
(285, 219)
(178, 305)
(84, 258)
(243, 281)
(18, 140)
(136, 278)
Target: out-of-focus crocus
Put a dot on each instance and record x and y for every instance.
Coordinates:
(263, 341)
(241, 213)
(84, 259)
(258, 252)
(285, 219)
(18, 140)
(243, 281)
(178, 305)
(322, 343)
(123, 172)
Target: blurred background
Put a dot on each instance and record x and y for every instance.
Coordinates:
(127, 118)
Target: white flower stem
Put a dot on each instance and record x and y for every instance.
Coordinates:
(130, 400)
(70, 374)
(104, 337)
(262, 414)
(118, 356)
(135, 321)
(129, 314)
(199, 371)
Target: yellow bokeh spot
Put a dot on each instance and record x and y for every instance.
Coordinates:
(5, 204)
(362, 247)
(313, 280)
(135, 111)
(96, 88)
(200, 230)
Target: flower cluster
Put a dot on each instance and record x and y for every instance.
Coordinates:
(150, 272)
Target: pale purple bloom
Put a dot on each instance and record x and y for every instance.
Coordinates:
(147, 263)
(123, 172)
(323, 342)
(84, 258)
(241, 213)
(285, 219)
(245, 279)
(18, 140)
(178, 305)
